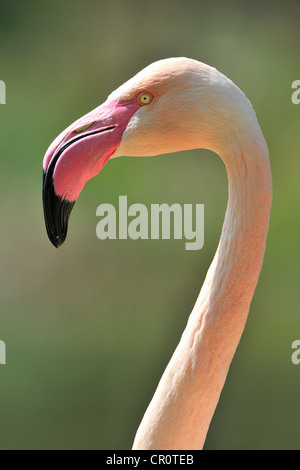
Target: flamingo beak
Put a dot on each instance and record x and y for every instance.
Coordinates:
(77, 155)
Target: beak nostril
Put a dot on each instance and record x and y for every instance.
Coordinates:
(83, 128)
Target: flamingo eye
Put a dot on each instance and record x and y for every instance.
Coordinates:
(145, 98)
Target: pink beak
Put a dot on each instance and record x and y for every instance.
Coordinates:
(77, 155)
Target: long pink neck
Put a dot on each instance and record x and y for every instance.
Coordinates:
(180, 412)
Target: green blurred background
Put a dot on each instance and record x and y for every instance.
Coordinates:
(89, 328)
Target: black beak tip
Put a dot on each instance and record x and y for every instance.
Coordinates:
(57, 240)
(56, 212)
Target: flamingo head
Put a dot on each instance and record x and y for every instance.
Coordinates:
(171, 105)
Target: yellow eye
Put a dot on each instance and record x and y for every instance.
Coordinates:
(145, 98)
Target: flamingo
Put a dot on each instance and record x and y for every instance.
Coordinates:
(173, 105)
